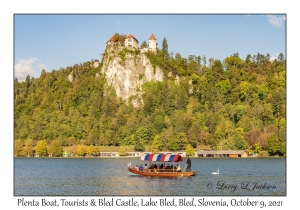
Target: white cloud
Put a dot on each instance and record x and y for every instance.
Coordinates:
(24, 67)
(275, 20)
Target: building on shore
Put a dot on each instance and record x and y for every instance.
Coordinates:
(222, 154)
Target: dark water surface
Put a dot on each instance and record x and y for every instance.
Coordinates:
(109, 177)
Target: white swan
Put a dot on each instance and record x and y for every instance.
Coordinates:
(216, 172)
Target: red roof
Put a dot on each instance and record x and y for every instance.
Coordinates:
(130, 36)
(152, 37)
(113, 38)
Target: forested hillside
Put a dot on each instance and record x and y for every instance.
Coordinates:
(231, 104)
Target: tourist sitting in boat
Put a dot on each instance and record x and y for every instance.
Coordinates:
(152, 166)
(178, 169)
(145, 167)
(141, 168)
(168, 167)
(136, 167)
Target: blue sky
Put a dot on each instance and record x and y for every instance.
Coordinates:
(52, 41)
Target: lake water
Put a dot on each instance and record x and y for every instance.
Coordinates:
(110, 177)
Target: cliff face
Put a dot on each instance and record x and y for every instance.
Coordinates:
(126, 70)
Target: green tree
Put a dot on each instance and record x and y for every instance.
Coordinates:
(224, 86)
(28, 149)
(139, 146)
(92, 150)
(165, 49)
(41, 148)
(122, 151)
(204, 60)
(159, 123)
(18, 147)
(55, 148)
(238, 138)
(280, 57)
(182, 140)
(245, 90)
(156, 145)
(273, 144)
(190, 150)
(257, 148)
(172, 144)
(81, 150)
(144, 45)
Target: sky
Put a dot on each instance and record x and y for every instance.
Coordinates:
(52, 41)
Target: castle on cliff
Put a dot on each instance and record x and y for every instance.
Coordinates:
(130, 40)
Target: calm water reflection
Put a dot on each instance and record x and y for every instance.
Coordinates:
(109, 177)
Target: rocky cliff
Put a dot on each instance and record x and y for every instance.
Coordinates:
(126, 70)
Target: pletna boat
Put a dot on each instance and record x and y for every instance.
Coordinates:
(161, 172)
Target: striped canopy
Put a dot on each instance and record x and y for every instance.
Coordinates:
(161, 157)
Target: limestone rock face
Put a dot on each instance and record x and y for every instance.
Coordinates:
(126, 70)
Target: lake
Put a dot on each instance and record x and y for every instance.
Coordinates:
(110, 177)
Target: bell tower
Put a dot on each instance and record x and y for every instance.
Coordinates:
(152, 43)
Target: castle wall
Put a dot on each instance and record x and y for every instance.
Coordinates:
(132, 42)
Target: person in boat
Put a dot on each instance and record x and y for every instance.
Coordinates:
(145, 167)
(136, 167)
(141, 168)
(168, 167)
(189, 163)
(178, 169)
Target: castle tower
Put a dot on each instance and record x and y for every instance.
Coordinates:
(152, 43)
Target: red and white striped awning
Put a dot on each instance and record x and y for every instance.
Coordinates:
(161, 157)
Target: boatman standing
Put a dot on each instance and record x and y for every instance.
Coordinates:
(189, 164)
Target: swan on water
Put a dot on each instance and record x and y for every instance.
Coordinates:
(216, 172)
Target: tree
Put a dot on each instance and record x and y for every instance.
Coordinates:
(139, 146)
(280, 57)
(246, 90)
(159, 123)
(257, 148)
(204, 60)
(18, 147)
(81, 150)
(41, 148)
(165, 49)
(172, 144)
(28, 149)
(156, 145)
(122, 151)
(238, 139)
(273, 144)
(182, 140)
(144, 45)
(190, 150)
(248, 58)
(92, 150)
(236, 55)
(55, 148)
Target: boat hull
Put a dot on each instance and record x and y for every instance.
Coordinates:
(161, 173)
